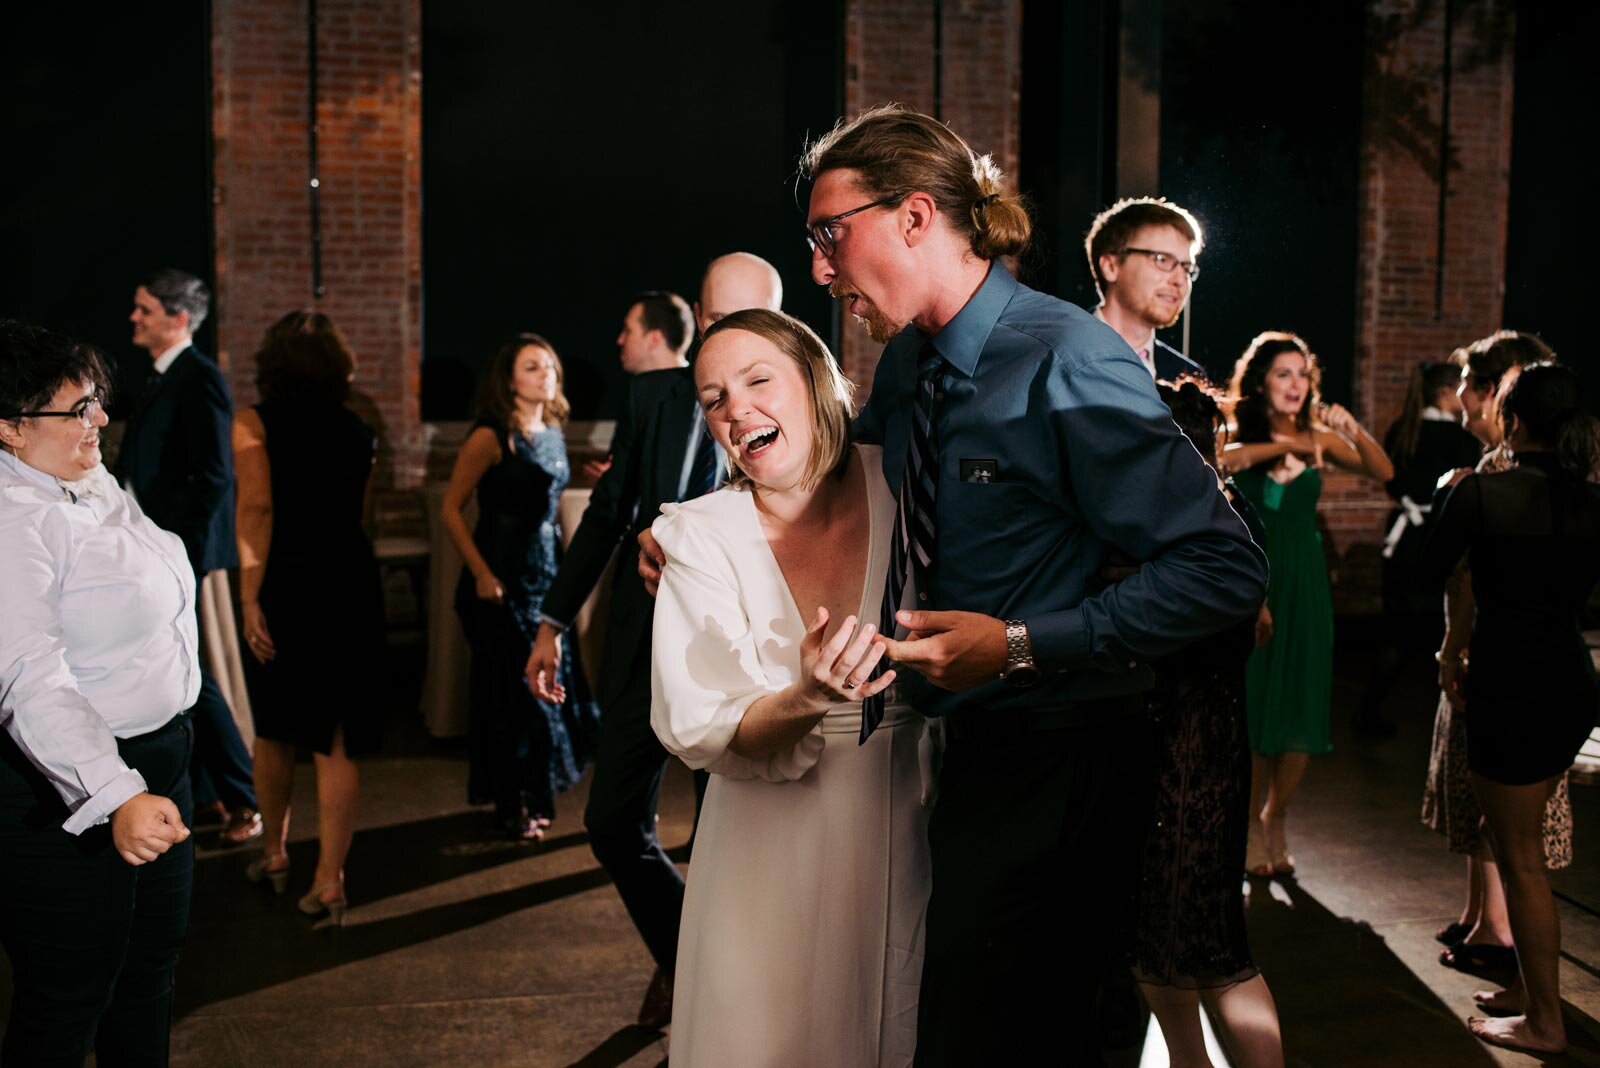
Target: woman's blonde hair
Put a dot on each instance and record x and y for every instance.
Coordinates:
(896, 152)
(830, 395)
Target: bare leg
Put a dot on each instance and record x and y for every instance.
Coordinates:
(1177, 1010)
(1257, 861)
(1474, 909)
(1246, 1019)
(337, 784)
(1288, 770)
(273, 770)
(1494, 925)
(1514, 819)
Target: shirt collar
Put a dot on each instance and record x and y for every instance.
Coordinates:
(31, 475)
(1147, 353)
(963, 337)
(164, 361)
(1431, 414)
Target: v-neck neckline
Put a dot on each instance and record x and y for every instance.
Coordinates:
(872, 541)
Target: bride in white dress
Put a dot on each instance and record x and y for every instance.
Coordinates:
(803, 920)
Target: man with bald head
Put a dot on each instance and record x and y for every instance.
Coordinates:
(661, 453)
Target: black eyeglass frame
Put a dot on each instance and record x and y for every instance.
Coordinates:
(820, 233)
(1190, 268)
(80, 411)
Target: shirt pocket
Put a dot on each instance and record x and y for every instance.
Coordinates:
(972, 514)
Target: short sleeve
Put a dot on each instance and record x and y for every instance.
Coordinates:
(705, 671)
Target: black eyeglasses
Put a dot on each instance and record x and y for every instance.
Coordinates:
(1164, 262)
(84, 412)
(820, 235)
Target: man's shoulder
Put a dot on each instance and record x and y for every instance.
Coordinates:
(1060, 329)
(1176, 363)
(192, 365)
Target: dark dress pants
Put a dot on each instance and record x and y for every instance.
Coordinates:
(92, 940)
(1036, 843)
(621, 816)
(221, 769)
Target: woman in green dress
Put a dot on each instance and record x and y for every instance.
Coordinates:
(1282, 439)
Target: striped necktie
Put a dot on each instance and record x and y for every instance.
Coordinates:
(703, 471)
(914, 551)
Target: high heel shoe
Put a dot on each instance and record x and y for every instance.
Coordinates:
(313, 904)
(261, 870)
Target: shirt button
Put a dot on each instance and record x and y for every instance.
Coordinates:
(938, 394)
(1132, 664)
(922, 596)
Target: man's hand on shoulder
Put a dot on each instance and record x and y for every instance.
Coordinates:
(953, 650)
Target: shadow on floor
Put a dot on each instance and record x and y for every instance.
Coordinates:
(619, 1048)
(232, 921)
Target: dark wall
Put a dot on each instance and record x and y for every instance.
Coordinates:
(575, 154)
(1550, 251)
(106, 124)
(1260, 136)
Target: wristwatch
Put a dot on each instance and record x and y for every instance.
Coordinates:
(1020, 670)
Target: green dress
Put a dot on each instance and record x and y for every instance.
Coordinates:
(1289, 680)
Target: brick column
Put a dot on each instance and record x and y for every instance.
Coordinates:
(889, 56)
(1401, 319)
(370, 166)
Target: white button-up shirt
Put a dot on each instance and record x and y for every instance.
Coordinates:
(97, 632)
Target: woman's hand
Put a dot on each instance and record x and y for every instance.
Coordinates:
(1453, 678)
(543, 671)
(651, 561)
(1263, 626)
(489, 588)
(1307, 447)
(146, 826)
(839, 668)
(256, 635)
(1338, 419)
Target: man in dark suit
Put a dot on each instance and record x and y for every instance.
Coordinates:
(652, 463)
(1142, 252)
(177, 461)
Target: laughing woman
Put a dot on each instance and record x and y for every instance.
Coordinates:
(803, 919)
(1283, 438)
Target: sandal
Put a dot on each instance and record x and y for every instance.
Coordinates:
(1469, 957)
(314, 905)
(526, 829)
(1451, 933)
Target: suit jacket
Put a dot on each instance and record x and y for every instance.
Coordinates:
(1170, 363)
(177, 458)
(647, 457)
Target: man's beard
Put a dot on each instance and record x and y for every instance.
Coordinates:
(879, 327)
(1154, 314)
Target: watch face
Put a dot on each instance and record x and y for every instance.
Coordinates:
(1022, 676)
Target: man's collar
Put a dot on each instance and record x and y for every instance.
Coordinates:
(28, 473)
(164, 361)
(1432, 414)
(963, 337)
(1148, 348)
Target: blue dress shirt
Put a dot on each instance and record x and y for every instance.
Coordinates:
(1081, 457)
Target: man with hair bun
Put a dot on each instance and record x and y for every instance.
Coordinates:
(1142, 253)
(1025, 442)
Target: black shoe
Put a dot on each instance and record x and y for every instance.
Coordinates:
(656, 1012)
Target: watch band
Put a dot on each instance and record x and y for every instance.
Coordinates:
(1019, 646)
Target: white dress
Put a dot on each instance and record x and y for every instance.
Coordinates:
(803, 919)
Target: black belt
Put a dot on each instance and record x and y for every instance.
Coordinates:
(166, 728)
(1127, 710)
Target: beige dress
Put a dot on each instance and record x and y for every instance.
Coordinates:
(803, 918)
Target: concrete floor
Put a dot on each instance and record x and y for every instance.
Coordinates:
(464, 950)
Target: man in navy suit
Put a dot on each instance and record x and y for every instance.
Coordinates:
(1142, 252)
(177, 461)
(652, 463)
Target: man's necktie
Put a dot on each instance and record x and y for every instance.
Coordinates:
(914, 549)
(703, 470)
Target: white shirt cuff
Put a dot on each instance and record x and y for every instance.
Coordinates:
(110, 797)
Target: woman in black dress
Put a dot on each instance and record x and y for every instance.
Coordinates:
(524, 750)
(311, 598)
(1191, 941)
(1533, 535)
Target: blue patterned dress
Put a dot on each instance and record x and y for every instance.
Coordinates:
(523, 751)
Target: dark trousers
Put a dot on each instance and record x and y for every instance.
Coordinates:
(621, 819)
(221, 769)
(92, 940)
(1036, 843)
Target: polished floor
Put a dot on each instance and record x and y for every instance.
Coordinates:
(465, 950)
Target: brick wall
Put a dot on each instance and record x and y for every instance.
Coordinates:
(889, 56)
(1399, 320)
(369, 122)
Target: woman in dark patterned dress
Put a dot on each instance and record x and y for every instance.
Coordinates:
(311, 600)
(524, 750)
(1191, 942)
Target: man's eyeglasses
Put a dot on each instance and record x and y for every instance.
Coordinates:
(84, 412)
(820, 235)
(1165, 263)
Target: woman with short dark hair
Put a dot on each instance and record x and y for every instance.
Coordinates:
(310, 593)
(99, 662)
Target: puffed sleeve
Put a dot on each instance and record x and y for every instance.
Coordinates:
(40, 705)
(705, 672)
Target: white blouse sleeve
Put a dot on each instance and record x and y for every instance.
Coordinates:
(40, 704)
(706, 673)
